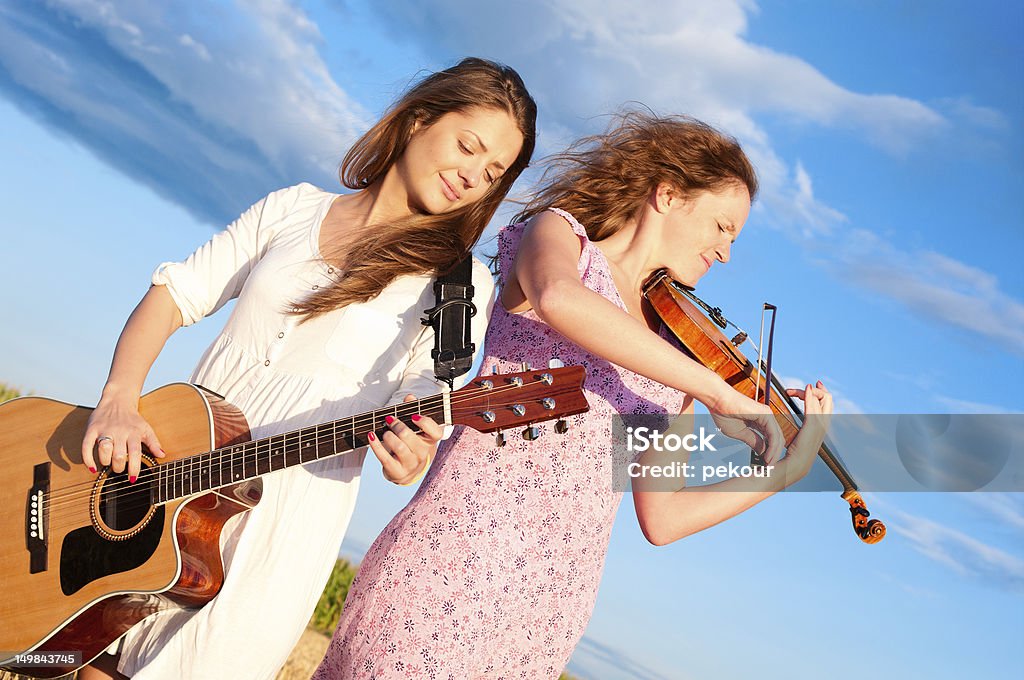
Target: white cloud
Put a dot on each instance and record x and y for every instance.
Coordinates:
(964, 406)
(590, 56)
(268, 84)
(213, 112)
(842, 404)
(958, 551)
(980, 116)
(1008, 508)
(935, 286)
(210, 113)
(200, 49)
(688, 57)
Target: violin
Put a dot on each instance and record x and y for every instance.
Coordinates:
(703, 340)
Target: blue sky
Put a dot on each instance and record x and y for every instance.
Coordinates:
(888, 137)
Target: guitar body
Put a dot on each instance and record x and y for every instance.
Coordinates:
(101, 566)
(84, 557)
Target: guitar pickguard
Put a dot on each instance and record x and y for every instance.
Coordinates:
(86, 556)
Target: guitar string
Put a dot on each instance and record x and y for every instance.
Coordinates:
(249, 456)
(406, 408)
(59, 515)
(322, 433)
(358, 422)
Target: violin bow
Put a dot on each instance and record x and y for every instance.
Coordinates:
(869, 530)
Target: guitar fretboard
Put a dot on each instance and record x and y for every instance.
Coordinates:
(239, 462)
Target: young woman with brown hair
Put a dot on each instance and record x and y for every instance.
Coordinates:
(492, 569)
(329, 289)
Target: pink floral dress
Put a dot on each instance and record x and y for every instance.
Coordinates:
(492, 569)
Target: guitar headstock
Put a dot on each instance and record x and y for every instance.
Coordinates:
(501, 401)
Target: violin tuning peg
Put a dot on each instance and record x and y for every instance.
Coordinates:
(556, 363)
(561, 427)
(499, 439)
(531, 433)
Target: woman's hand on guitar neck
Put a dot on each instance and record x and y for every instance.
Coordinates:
(115, 434)
(404, 454)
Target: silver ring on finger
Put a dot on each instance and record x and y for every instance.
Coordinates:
(103, 438)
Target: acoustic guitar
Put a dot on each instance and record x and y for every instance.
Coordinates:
(84, 557)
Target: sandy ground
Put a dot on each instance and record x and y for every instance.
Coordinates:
(306, 656)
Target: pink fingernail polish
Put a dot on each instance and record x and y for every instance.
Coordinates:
(416, 418)
(371, 436)
(92, 470)
(389, 419)
(131, 479)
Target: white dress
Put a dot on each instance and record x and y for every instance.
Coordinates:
(284, 376)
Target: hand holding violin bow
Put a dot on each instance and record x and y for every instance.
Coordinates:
(802, 431)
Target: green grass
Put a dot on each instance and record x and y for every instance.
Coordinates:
(332, 601)
(8, 392)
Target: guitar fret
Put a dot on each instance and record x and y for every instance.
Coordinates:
(341, 440)
(293, 450)
(223, 470)
(204, 472)
(178, 481)
(307, 444)
(240, 462)
(331, 446)
(246, 464)
(277, 456)
(260, 459)
(215, 470)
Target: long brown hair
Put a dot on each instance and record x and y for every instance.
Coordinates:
(602, 180)
(421, 244)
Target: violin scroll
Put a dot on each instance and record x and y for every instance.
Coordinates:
(870, 531)
(702, 340)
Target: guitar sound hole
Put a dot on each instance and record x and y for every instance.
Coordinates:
(122, 505)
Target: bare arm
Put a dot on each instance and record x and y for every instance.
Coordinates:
(667, 515)
(544, 276)
(117, 415)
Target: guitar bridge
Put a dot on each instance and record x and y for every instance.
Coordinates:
(37, 519)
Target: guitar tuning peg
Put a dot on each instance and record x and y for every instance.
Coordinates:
(531, 433)
(555, 363)
(499, 439)
(561, 427)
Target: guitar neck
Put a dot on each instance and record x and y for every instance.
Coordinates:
(240, 462)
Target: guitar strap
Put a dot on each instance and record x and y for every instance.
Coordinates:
(451, 319)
